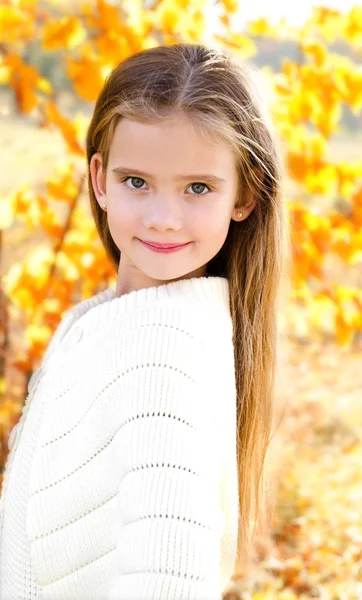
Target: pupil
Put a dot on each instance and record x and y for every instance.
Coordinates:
(195, 185)
(137, 179)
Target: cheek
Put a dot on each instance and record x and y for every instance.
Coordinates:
(215, 231)
(123, 223)
(122, 209)
(213, 224)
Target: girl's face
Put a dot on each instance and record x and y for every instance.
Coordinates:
(165, 183)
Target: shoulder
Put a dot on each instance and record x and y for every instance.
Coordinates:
(187, 338)
(71, 316)
(182, 321)
(179, 314)
(199, 305)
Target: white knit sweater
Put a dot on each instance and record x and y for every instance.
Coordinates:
(121, 480)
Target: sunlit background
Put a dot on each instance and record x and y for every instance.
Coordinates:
(295, 13)
(52, 66)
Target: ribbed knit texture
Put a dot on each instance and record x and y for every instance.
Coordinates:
(122, 480)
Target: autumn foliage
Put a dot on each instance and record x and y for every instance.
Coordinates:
(306, 99)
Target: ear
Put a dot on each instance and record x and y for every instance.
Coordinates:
(98, 178)
(249, 197)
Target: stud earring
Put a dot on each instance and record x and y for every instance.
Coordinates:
(240, 214)
(104, 205)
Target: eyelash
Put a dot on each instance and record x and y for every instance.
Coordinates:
(123, 181)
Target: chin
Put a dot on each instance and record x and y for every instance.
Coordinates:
(165, 278)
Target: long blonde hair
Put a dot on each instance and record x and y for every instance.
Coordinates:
(217, 93)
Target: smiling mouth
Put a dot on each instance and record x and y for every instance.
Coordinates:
(163, 246)
(165, 250)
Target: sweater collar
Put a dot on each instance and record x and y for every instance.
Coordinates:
(210, 292)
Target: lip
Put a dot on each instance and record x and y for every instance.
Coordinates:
(157, 245)
(163, 249)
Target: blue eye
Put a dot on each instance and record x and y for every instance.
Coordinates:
(136, 178)
(202, 185)
(139, 184)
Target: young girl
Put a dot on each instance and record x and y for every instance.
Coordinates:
(135, 470)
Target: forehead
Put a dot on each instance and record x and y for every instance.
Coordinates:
(175, 141)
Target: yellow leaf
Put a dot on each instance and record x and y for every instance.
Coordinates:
(4, 74)
(171, 20)
(231, 6)
(138, 20)
(317, 50)
(317, 146)
(24, 79)
(69, 270)
(328, 22)
(15, 24)
(353, 27)
(261, 27)
(86, 86)
(45, 86)
(37, 335)
(62, 185)
(52, 113)
(344, 332)
(322, 180)
(240, 44)
(67, 32)
(103, 17)
(37, 264)
(111, 50)
(28, 5)
(80, 124)
(322, 311)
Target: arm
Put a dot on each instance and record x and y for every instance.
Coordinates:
(169, 454)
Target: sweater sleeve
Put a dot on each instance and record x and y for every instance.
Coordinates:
(169, 456)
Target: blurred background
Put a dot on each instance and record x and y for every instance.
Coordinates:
(54, 57)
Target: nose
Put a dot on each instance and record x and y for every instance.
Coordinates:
(164, 213)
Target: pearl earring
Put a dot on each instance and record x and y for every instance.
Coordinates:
(240, 214)
(104, 205)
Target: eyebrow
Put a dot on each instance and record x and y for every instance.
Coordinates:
(194, 176)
